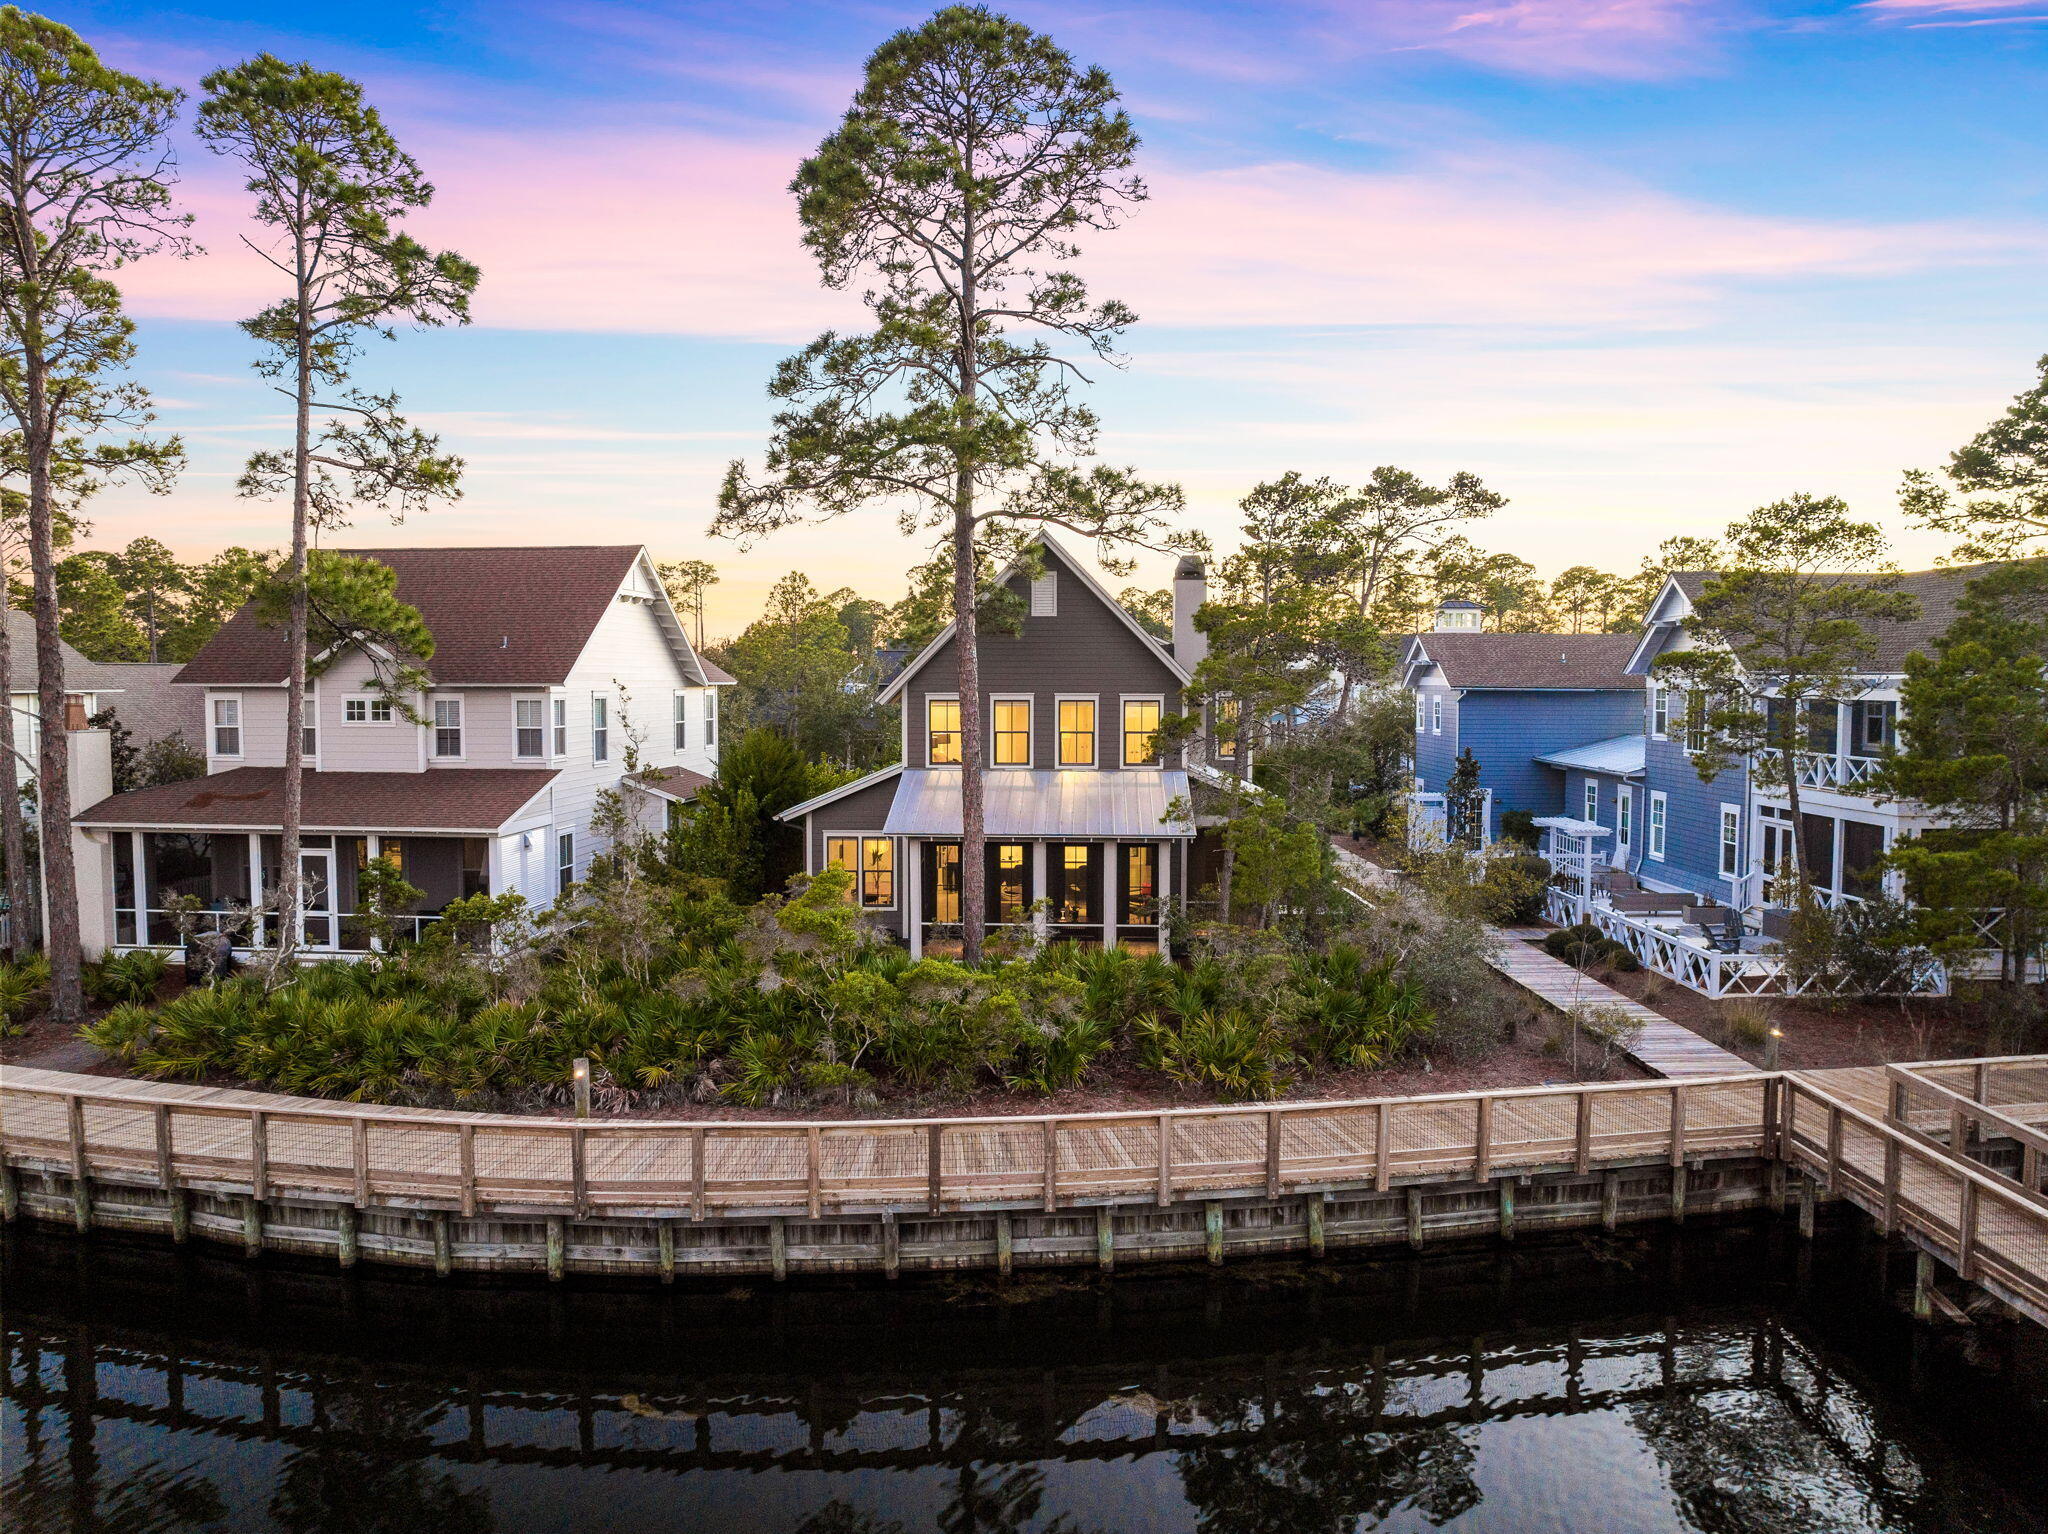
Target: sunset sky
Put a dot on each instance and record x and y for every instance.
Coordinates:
(1642, 264)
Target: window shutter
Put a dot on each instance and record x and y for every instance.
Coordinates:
(1045, 595)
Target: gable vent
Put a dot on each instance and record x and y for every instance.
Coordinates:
(1045, 595)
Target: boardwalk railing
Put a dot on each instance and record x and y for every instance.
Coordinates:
(280, 1147)
(1979, 1222)
(1960, 1117)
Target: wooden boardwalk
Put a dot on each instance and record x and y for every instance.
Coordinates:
(1663, 1047)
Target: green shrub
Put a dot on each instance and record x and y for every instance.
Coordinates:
(24, 991)
(126, 977)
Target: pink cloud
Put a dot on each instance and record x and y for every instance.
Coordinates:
(684, 232)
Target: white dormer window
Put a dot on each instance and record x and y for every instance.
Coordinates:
(1045, 595)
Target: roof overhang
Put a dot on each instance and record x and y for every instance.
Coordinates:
(1127, 802)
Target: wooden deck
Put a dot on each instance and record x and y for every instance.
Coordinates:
(1662, 1047)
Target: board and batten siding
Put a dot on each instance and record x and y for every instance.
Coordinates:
(1083, 649)
(864, 811)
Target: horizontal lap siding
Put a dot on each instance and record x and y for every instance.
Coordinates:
(1693, 839)
(1436, 754)
(1506, 731)
(1084, 648)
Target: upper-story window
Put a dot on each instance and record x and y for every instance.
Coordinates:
(1696, 704)
(1436, 715)
(710, 721)
(682, 721)
(559, 723)
(1010, 741)
(1877, 727)
(1226, 728)
(448, 727)
(309, 724)
(600, 729)
(227, 726)
(1421, 713)
(529, 729)
(1660, 712)
(1592, 799)
(1077, 732)
(1141, 731)
(942, 732)
(366, 710)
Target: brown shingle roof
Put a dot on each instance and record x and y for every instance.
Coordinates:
(474, 799)
(518, 616)
(1575, 662)
(1937, 590)
(676, 782)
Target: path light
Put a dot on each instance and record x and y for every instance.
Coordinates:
(579, 1077)
(1770, 1048)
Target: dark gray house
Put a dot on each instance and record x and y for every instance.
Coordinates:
(1083, 809)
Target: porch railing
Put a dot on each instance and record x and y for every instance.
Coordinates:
(1831, 769)
(1717, 974)
(160, 930)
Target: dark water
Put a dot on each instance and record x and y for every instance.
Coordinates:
(1720, 1381)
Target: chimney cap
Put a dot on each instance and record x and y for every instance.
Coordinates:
(1460, 604)
(1190, 568)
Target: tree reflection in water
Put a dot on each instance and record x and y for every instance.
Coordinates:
(1261, 1402)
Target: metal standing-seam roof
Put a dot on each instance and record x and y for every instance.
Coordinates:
(1129, 802)
(1620, 757)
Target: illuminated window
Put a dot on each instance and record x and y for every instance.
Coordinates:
(877, 871)
(1077, 732)
(1141, 731)
(1011, 881)
(946, 882)
(942, 732)
(844, 852)
(1073, 892)
(1141, 886)
(1012, 740)
(1226, 727)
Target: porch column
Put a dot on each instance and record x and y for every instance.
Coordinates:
(1112, 853)
(1040, 893)
(373, 846)
(256, 891)
(913, 897)
(1165, 894)
(141, 842)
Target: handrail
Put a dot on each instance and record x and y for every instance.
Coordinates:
(266, 1144)
(1962, 1110)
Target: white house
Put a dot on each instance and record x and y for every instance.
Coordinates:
(550, 664)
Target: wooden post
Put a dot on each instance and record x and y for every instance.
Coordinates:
(1774, 1187)
(10, 1193)
(1212, 1231)
(934, 1167)
(892, 1245)
(1582, 1135)
(1834, 1150)
(1923, 1286)
(665, 1249)
(1415, 1217)
(259, 1154)
(2030, 1167)
(579, 1177)
(1610, 1201)
(1383, 1150)
(468, 1190)
(1273, 1153)
(579, 1082)
(348, 1238)
(814, 1171)
(1980, 1083)
(1315, 1224)
(1482, 1141)
(1165, 1159)
(1769, 1142)
(1105, 1238)
(1809, 1196)
(81, 1170)
(1966, 1233)
(778, 1248)
(1507, 1208)
(164, 1158)
(1681, 1179)
(181, 1214)
(1004, 1243)
(1677, 1124)
(558, 1248)
(444, 1245)
(697, 1174)
(1050, 1141)
(359, 1144)
(252, 1228)
(1892, 1156)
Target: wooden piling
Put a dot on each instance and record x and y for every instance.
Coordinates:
(558, 1248)
(81, 1202)
(10, 1194)
(778, 1248)
(1681, 1181)
(348, 1234)
(1507, 1208)
(1212, 1230)
(665, 1249)
(1005, 1254)
(1923, 1286)
(444, 1244)
(1809, 1197)
(1315, 1224)
(1610, 1200)
(1774, 1187)
(892, 1246)
(1105, 1238)
(1415, 1218)
(252, 1226)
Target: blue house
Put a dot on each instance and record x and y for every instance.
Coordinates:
(1518, 702)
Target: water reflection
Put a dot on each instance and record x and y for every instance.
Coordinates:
(1723, 1383)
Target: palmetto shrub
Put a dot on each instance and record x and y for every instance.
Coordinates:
(24, 990)
(795, 1002)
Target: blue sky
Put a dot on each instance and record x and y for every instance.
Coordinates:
(1643, 264)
